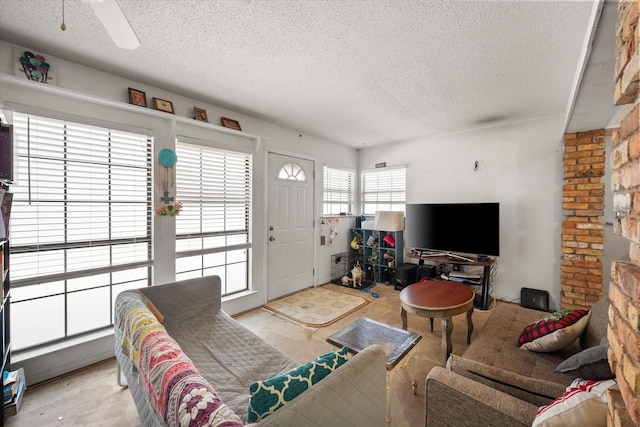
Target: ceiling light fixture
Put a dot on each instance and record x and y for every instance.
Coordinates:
(116, 23)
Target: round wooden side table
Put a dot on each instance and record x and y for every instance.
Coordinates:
(438, 298)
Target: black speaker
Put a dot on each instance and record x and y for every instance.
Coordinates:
(427, 271)
(406, 274)
(534, 298)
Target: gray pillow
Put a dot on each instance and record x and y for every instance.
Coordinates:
(589, 364)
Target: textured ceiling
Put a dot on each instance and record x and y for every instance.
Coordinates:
(359, 72)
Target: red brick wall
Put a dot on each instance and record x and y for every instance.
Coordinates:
(583, 207)
(624, 290)
(627, 73)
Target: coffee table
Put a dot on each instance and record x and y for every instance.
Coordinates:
(438, 298)
(399, 345)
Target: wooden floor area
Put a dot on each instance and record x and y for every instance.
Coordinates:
(91, 396)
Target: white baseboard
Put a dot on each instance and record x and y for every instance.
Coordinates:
(47, 364)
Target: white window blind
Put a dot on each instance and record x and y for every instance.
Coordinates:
(213, 229)
(80, 225)
(338, 191)
(384, 190)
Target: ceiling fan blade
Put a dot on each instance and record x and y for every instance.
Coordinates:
(116, 23)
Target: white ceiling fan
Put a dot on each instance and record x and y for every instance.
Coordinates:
(116, 23)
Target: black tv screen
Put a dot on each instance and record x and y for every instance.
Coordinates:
(472, 228)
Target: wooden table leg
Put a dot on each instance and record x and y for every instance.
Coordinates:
(414, 382)
(387, 417)
(447, 327)
(469, 325)
(403, 316)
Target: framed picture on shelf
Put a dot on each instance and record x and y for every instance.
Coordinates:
(163, 105)
(230, 123)
(137, 97)
(200, 114)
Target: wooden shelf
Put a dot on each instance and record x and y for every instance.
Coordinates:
(5, 329)
(373, 249)
(453, 260)
(485, 298)
(20, 83)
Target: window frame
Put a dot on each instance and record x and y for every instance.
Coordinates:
(82, 152)
(333, 194)
(228, 250)
(386, 195)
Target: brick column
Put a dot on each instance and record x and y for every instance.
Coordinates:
(624, 291)
(624, 315)
(583, 207)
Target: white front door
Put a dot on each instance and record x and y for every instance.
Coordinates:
(290, 225)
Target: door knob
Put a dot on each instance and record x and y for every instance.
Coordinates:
(271, 238)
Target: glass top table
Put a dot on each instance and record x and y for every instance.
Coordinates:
(364, 332)
(398, 344)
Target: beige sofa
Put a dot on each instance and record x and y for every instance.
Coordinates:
(496, 382)
(199, 350)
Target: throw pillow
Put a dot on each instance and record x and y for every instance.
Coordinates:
(271, 394)
(591, 364)
(583, 404)
(555, 331)
(153, 309)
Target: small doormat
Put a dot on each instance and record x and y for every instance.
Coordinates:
(316, 307)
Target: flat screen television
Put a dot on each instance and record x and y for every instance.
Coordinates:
(471, 228)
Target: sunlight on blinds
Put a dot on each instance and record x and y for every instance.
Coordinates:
(338, 191)
(80, 191)
(383, 190)
(213, 229)
(80, 226)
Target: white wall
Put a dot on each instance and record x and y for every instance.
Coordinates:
(92, 96)
(520, 166)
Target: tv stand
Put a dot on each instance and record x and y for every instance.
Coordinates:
(448, 258)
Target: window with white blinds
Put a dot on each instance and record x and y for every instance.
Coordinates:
(213, 235)
(80, 226)
(338, 191)
(384, 190)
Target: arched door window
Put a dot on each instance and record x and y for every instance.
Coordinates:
(292, 172)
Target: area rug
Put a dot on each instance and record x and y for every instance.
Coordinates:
(316, 307)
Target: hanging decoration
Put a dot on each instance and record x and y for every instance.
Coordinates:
(166, 183)
(328, 230)
(63, 26)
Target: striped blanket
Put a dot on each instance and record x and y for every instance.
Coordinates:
(180, 395)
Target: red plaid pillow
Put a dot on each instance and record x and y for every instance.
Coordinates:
(549, 324)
